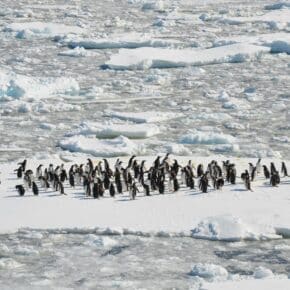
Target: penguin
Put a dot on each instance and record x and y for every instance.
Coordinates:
(106, 180)
(21, 190)
(118, 181)
(96, 193)
(200, 171)
(34, 188)
(232, 174)
(203, 183)
(284, 169)
(157, 162)
(19, 172)
(39, 171)
(219, 183)
(61, 188)
(23, 165)
(254, 173)
(112, 190)
(63, 175)
(266, 172)
(133, 190)
(146, 189)
(272, 168)
(175, 184)
(275, 179)
(247, 181)
(71, 179)
(130, 162)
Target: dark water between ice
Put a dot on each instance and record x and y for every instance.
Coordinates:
(42, 260)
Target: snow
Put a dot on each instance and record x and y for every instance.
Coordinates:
(265, 284)
(209, 271)
(278, 5)
(143, 117)
(16, 86)
(120, 146)
(111, 130)
(145, 58)
(230, 214)
(208, 138)
(76, 52)
(41, 29)
(275, 19)
(128, 40)
(278, 42)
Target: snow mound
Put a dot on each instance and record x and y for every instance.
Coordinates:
(16, 86)
(278, 5)
(210, 272)
(120, 146)
(145, 58)
(261, 273)
(130, 40)
(41, 29)
(275, 19)
(143, 117)
(76, 52)
(134, 131)
(277, 42)
(208, 138)
(230, 228)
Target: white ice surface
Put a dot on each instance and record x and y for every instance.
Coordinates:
(120, 146)
(41, 29)
(143, 117)
(128, 40)
(229, 214)
(111, 130)
(145, 58)
(16, 86)
(278, 42)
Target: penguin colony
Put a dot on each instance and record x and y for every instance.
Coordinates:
(164, 174)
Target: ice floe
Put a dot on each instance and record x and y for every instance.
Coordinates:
(143, 117)
(208, 138)
(129, 40)
(120, 146)
(16, 86)
(41, 29)
(111, 130)
(145, 58)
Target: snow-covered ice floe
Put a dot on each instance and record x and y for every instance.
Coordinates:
(213, 277)
(111, 130)
(41, 29)
(278, 42)
(129, 40)
(230, 214)
(208, 138)
(16, 86)
(275, 19)
(145, 58)
(120, 146)
(143, 117)
(76, 52)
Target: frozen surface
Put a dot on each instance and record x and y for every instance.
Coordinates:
(231, 214)
(111, 130)
(145, 58)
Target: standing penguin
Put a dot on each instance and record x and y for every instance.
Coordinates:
(96, 193)
(112, 190)
(284, 169)
(203, 183)
(19, 172)
(71, 179)
(266, 172)
(20, 189)
(34, 188)
(275, 179)
(200, 171)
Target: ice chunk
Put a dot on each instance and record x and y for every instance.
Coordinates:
(210, 272)
(120, 146)
(41, 29)
(208, 138)
(145, 58)
(143, 117)
(129, 40)
(133, 131)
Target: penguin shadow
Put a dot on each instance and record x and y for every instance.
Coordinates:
(240, 189)
(195, 193)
